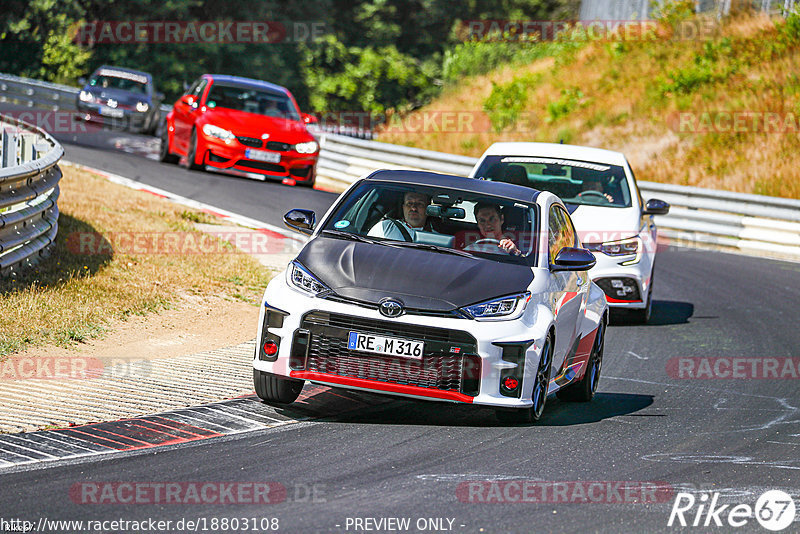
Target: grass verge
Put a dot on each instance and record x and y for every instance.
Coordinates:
(78, 291)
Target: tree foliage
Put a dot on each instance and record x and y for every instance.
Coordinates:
(375, 54)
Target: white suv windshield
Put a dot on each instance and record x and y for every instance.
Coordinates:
(576, 182)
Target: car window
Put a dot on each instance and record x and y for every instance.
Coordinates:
(446, 218)
(197, 90)
(251, 100)
(575, 182)
(567, 229)
(118, 79)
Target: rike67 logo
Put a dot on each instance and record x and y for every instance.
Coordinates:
(774, 510)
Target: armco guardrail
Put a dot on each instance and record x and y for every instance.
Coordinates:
(39, 94)
(704, 218)
(29, 176)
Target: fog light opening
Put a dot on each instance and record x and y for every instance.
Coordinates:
(270, 348)
(510, 383)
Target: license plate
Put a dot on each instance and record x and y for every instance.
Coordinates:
(110, 112)
(385, 345)
(262, 155)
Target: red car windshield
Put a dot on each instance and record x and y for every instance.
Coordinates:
(252, 101)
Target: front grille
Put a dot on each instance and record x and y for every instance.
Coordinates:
(280, 147)
(260, 165)
(250, 141)
(441, 366)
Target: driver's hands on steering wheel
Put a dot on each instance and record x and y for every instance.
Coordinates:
(593, 193)
(509, 246)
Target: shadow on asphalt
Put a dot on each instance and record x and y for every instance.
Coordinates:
(665, 312)
(384, 410)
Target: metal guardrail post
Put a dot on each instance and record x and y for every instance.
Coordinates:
(29, 192)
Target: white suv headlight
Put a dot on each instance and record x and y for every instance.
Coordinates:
(142, 107)
(504, 308)
(300, 278)
(307, 148)
(219, 133)
(86, 96)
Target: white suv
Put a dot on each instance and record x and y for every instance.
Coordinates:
(599, 189)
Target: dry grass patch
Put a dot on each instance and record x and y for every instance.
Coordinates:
(73, 295)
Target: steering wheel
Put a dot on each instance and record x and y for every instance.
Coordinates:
(591, 193)
(487, 241)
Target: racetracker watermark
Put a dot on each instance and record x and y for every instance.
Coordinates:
(195, 32)
(585, 30)
(436, 121)
(66, 122)
(774, 510)
(733, 368)
(180, 243)
(148, 493)
(72, 368)
(733, 122)
(563, 492)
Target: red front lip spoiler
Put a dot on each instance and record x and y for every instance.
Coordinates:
(388, 387)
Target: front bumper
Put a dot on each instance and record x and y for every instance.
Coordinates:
(625, 286)
(232, 158)
(122, 118)
(463, 360)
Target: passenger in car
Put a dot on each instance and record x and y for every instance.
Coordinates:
(415, 217)
(490, 221)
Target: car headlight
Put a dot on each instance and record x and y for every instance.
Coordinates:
(307, 148)
(220, 133)
(86, 96)
(504, 308)
(624, 247)
(302, 279)
(142, 107)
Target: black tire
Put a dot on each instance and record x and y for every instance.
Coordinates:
(274, 388)
(534, 413)
(192, 154)
(642, 316)
(164, 155)
(584, 390)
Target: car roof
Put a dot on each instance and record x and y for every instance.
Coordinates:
(559, 151)
(123, 69)
(472, 185)
(248, 82)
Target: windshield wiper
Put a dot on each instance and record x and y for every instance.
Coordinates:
(351, 237)
(432, 248)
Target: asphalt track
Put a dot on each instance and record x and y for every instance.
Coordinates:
(394, 458)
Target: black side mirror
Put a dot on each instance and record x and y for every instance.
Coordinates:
(656, 207)
(301, 220)
(573, 259)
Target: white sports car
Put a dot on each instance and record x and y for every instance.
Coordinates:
(599, 190)
(446, 309)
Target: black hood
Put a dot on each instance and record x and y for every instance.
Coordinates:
(421, 279)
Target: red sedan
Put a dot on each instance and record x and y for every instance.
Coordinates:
(241, 126)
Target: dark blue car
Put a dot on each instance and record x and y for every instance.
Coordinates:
(122, 98)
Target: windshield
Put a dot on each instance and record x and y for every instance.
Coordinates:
(119, 80)
(439, 220)
(252, 101)
(576, 182)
